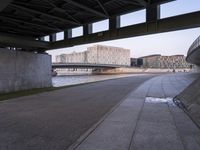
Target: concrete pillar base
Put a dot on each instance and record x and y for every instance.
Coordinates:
(24, 70)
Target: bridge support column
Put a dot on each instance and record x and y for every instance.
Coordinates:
(52, 38)
(152, 13)
(152, 17)
(41, 38)
(114, 22)
(87, 29)
(24, 70)
(68, 34)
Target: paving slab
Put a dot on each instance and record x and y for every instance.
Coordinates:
(139, 125)
(158, 128)
(116, 131)
(188, 131)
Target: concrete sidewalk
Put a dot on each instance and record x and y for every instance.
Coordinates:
(138, 124)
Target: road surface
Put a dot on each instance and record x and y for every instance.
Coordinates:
(55, 120)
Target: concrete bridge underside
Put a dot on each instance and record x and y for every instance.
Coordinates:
(194, 52)
(24, 24)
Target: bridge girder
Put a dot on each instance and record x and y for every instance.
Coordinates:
(22, 23)
(186, 21)
(82, 6)
(64, 20)
(62, 15)
(4, 4)
(31, 44)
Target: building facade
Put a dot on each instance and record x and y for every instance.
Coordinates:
(98, 54)
(158, 61)
(72, 58)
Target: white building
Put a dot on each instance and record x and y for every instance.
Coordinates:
(72, 58)
(98, 54)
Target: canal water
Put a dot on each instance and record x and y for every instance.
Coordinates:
(77, 79)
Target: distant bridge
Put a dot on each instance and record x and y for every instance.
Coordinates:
(85, 65)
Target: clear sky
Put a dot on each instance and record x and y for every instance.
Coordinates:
(169, 43)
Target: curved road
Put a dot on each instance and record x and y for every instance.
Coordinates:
(55, 120)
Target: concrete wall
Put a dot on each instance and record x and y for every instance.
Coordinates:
(23, 70)
(196, 69)
(190, 97)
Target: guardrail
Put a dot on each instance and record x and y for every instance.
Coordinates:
(86, 65)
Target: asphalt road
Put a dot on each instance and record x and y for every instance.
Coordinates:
(55, 120)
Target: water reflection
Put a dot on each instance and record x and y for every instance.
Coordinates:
(77, 79)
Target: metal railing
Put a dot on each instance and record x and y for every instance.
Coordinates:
(194, 45)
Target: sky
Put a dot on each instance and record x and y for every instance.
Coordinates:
(169, 43)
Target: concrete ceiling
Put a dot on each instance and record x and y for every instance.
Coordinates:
(36, 18)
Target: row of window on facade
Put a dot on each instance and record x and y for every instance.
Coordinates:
(158, 61)
(98, 54)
